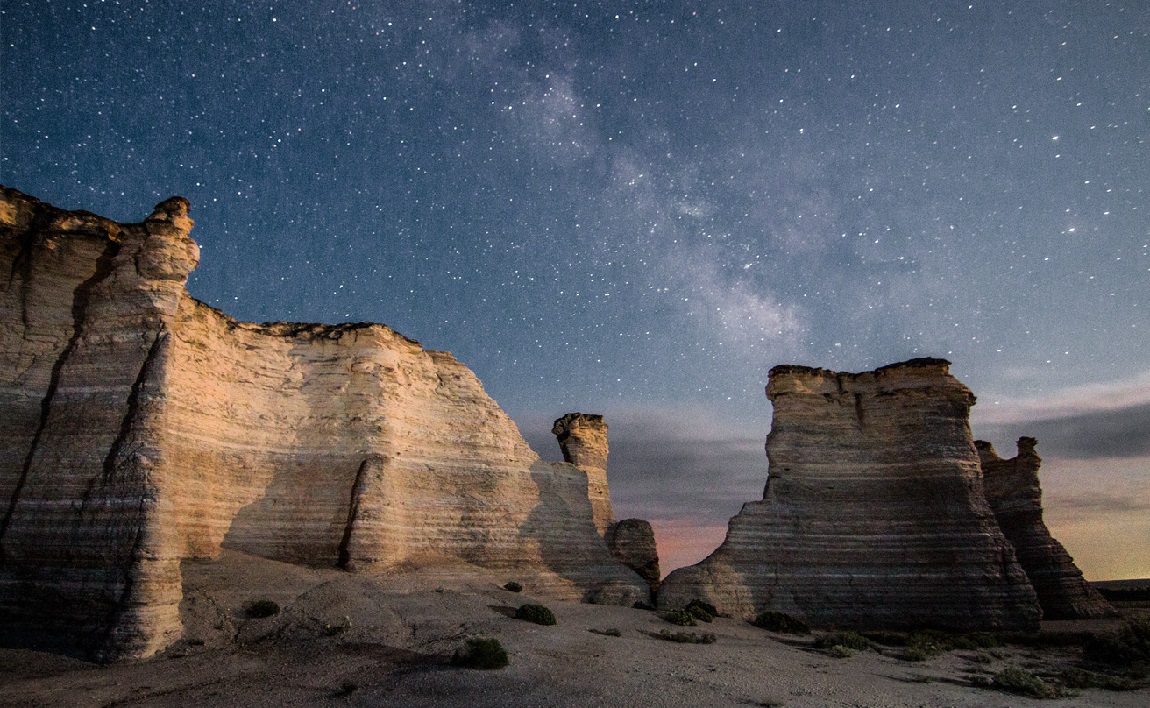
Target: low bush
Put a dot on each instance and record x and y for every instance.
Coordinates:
(1081, 678)
(838, 651)
(704, 611)
(686, 637)
(680, 617)
(535, 613)
(848, 640)
(513, 587)
(1014, 679)
(259, 609)
(479, 653)
(781, 622)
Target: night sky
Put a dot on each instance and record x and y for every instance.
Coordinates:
(638, 208)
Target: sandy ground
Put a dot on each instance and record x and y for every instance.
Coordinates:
(345, 639)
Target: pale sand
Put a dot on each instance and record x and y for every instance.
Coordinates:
(394, 646)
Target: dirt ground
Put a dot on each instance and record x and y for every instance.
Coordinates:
(345, 639)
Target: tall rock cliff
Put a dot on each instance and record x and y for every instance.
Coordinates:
(139, 428)
(873, 515)
(1015, 496)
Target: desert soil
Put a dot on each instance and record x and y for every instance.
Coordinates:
(345, 639)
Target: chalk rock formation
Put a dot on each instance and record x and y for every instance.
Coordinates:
(583, 440)
(1015, 497)
(632, 541)
(873, 515)
(140, 427)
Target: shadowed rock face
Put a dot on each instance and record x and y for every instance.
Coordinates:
(139, 428)
(583, 439)
(1013, 490)
(632, 541)
(873, 515)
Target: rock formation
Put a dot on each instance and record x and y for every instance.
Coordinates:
(873, 515)
(140, 428)
(632, 541)
(1015, 497)
(583, 440)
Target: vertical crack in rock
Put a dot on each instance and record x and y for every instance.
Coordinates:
(80, 299)
(133, 404)
(107, 648)
(357, 487)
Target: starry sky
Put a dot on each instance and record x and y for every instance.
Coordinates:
(638, 208)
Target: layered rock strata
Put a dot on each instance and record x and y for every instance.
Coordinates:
(873, 515)
(632, 541)
(1015, 497)
(583, 439)
(140, 428)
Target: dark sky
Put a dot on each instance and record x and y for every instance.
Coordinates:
(635, 208)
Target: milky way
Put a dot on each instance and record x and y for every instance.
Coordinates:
(636, 208)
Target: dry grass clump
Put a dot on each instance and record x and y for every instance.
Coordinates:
(686, 637)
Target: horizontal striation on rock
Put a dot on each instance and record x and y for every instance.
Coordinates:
(140, 428)
(1015, 496)
(873, 515)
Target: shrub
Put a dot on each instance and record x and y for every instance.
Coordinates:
(686, 637)
(680, 617)
(848, 640)
(1014, 679)
(480, 653)
(1081, 678)
(916, 652)
(838, 651)
(535, 613)
(704, 611)
(781, 622)
(260, 609)
(513, 586)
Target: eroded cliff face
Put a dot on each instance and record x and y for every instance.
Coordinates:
(1015, 496)
(583, 439)
(873, 515)
(139, 428)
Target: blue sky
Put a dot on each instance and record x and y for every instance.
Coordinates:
(639, 208)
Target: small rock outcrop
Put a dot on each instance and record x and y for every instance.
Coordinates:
(1015, 496)
(873, 515)
(140, 428)
(632, 541)
(583, 439)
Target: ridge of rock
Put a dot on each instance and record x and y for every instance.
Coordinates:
(140, 428)
(1015, 497)
(873, 515)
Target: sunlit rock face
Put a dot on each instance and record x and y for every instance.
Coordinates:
(583, 439)
(873, 515)
(139, 428)
(1015, 496)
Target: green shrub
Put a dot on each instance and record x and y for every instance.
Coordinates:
(1014, 679)
(480, 653)
(849, 640)
(838, 651)
(704, 611)
(513, 587)
(260, 609)
(535, 613)
(680, 617)
(1081, 678)
(916, 652)
(781, 622)
(686, 637)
